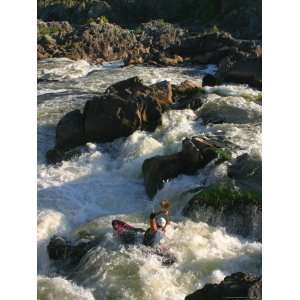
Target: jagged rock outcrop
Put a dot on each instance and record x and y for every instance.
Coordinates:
(93, 42)
(239, 61)
(235, 286)
(196, 153)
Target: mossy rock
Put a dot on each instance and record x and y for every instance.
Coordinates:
(224, 195)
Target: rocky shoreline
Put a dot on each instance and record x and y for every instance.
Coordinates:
(155, 43)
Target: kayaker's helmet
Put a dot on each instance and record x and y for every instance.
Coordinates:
(161, 222)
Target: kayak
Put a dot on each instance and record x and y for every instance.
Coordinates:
(129, 234)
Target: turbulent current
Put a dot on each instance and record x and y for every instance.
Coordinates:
(86, 193)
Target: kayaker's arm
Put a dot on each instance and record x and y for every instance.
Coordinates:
(153, 225)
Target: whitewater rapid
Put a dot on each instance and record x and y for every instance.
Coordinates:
(86, 193)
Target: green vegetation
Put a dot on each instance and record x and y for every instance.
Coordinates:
(224, 195)
(223, 154)
(66, 3)
(256, 99)
(103, 20)
(215, 29)
(48, 30)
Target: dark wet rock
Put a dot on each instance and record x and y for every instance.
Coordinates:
(69, 253)
(128, 88)
(125, 107)
(190, 102)
(247, 172)
(196, 153)
(70, 131)
(160, 168)
(239, 61)
(222, 204)
(205, 43)
(244, 70)
(99, 8)
(56, 155)
(134, 87)
(235, 286)
(209, 80)
(151, 113)
(109, 117)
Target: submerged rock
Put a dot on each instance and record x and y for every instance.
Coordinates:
(230, 110)
(69, 253)
(235, 286)
(209, 80)
(247, 172)
(240, 212)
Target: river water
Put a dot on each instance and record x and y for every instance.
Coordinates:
(86, 193)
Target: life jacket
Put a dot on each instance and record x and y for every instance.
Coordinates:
(152, 239)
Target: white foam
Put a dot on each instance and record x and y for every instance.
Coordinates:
(62, 289)
(205, 254)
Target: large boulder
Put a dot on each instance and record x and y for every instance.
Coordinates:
(196, 153)
(240, 212)
(235, 286)
(109, 117)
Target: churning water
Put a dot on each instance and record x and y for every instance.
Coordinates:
(86, 193)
